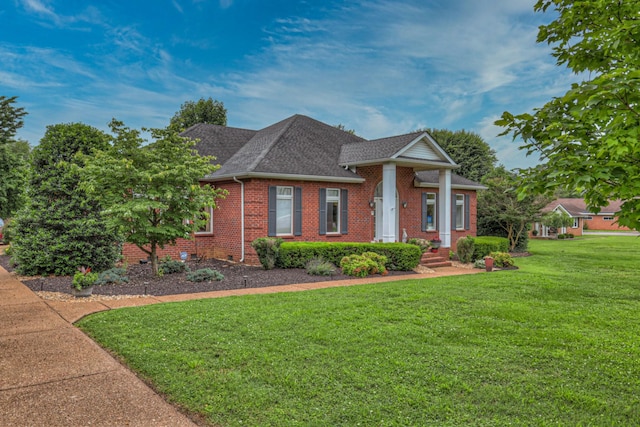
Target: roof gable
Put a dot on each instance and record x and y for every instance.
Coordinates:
(417, 148)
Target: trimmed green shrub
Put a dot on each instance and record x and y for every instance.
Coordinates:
(268, 249)
(484, 245)
(172, 266)
(465, 247)
(363, 265)
(317, 266)
(561, 236)
(205, 275)
(113, 275)
(501, 259)
(400, 256)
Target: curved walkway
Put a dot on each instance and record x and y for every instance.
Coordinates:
(51, 374)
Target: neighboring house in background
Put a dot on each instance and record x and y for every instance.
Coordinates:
(304, 180)
(583, 218)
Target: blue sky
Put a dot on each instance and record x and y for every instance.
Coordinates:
(380, 67)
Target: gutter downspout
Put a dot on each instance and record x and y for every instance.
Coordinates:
(241, 216)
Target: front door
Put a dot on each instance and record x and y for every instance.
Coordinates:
(377, 219)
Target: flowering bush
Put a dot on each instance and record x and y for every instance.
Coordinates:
(363, 265)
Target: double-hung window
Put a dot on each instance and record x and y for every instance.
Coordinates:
(430, 212)
(284, 211)
(206, 215)
(333, 210)
(459, 211)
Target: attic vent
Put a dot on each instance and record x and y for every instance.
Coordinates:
(421, 151)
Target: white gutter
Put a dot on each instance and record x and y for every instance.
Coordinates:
(241, 216)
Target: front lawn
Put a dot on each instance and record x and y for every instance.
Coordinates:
(556, 342)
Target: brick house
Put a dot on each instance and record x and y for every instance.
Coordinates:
(583, 218)
(304, 180)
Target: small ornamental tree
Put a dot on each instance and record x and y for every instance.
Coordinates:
(151, 193)
(557, 220)
(61, 227)
(501, 212)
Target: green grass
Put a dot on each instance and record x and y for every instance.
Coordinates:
(556, 342)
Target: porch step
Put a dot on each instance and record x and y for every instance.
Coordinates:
(434, 260)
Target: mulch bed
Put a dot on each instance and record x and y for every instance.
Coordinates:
(143, 282)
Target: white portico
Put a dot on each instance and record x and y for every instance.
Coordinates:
(418, 151)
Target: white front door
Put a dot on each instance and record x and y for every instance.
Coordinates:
(378, 218)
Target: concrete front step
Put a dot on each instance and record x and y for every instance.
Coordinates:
(433, 260)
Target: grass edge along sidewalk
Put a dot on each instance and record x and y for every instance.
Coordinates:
(556, 342)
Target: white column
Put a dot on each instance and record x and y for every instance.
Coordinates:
(389, 202)
(444, 207)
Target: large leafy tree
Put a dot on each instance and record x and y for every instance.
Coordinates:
(475, 157)
(13, 168)
(501, 212)
(61, 227)
(202, 111)
(589, 138)
(151, 192)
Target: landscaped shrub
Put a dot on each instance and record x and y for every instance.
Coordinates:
(569, 235)
(484, 245)
(318, 266)
(423, 244)
(501, 259)
(465, 247)
(561, 236)
(204, 275)
(267, 249)
(363, 265)
(113, 275)
(400, 256)
(172, 266)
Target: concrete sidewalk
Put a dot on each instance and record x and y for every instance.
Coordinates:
(51, 374)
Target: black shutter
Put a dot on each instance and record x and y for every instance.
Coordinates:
(424, 212)
(344, 207)
(322, 209)
(297, 208)
(467, 212)
(273, 192)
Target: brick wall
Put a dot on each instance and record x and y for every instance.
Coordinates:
(599, 223)
(225, 243)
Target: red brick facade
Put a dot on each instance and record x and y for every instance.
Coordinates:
(225, 242)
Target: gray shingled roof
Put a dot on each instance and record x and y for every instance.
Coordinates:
(433, 177)
(298, 145)
(377, 149)
(219, 141)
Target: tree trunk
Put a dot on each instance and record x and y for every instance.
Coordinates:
(154, 259)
